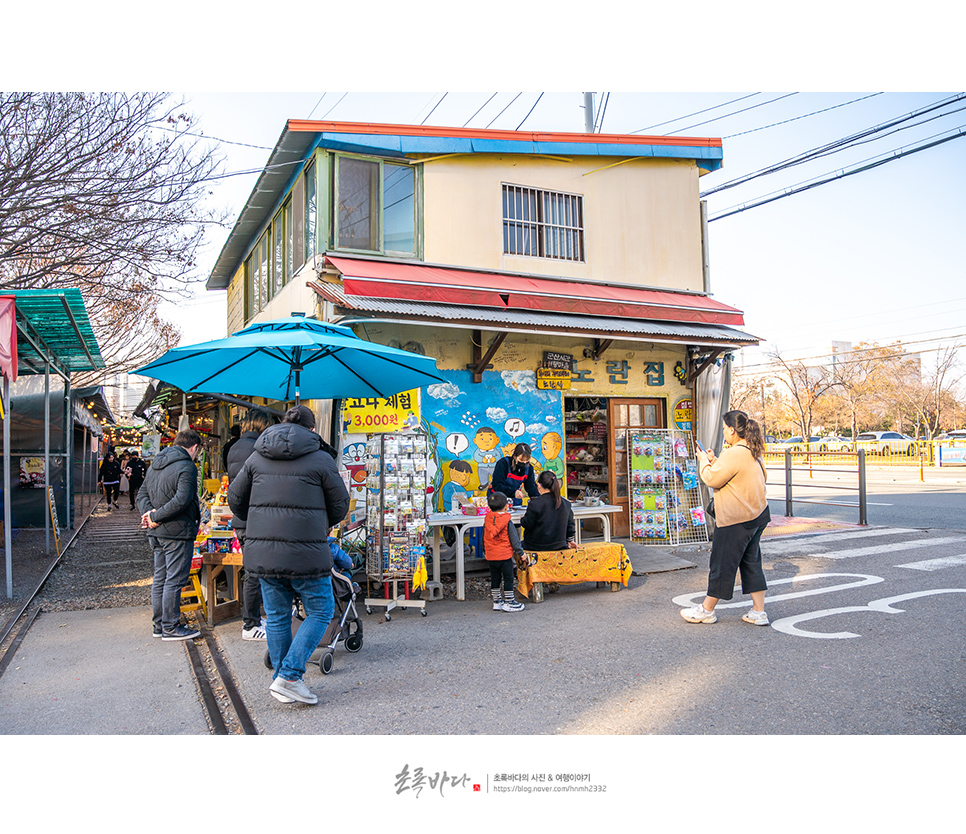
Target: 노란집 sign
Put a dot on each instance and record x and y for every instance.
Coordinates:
(553, 379)
(379, 415)
(683, 414)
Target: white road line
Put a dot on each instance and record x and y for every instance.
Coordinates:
(936, 564)
(770, 544)
(875, 550)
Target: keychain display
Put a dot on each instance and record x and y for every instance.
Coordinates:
(666, 502)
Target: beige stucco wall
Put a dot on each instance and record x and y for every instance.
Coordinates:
(641, 218)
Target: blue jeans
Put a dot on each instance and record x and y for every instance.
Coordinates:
(172, 566)
(290, 654)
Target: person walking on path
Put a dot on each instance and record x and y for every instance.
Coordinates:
(289, 493)
(255, 422)
(136, 472)
(502, 548)
(171, 512)
(109, 476)
(741, 515)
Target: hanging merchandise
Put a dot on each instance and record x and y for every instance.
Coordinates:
(397, 477)
(667, 497)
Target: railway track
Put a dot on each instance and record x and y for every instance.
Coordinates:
(103, 546)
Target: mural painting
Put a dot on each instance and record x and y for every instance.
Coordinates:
(476, 424)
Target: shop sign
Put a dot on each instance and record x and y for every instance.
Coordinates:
(150, 445)
(558, 361)
(553, 379)
(377, 415)
(683, 414)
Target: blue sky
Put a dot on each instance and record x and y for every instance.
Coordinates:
(873, 256)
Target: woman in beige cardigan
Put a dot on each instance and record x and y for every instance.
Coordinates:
(741, 515)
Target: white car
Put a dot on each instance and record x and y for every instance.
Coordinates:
(834, 444)
(885, 442)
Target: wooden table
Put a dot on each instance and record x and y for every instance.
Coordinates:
(462, 523)
(212, 566)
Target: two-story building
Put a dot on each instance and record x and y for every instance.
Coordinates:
(560, 280)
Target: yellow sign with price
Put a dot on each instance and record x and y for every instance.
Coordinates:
(380, 415)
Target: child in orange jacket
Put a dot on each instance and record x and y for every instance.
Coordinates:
(502, 548)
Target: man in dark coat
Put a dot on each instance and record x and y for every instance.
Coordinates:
(289, 493)
(255, 422)
(170, 510)
(136, 470)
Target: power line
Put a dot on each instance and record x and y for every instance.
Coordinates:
(804, 116)
(211, 138)
(316, 106)
(430, 113)
(603, 110)
(698, 113)
(531, 110)
(838, 144)
(735, 113)
(497, 116)
(334, 106)
(477, 113)
(807, 185)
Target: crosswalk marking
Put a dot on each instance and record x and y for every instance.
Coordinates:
(879, 548)
(774, 545)
(936, 564)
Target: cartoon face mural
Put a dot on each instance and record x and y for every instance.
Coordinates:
(550, 446)
(478, 423)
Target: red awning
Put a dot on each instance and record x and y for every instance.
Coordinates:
(443, 285)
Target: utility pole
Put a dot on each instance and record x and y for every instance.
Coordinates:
(588, 112)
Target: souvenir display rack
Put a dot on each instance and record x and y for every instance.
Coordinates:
(667, 497)
(397, 476)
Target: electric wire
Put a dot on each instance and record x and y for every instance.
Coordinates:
(838, 144)
(531, 110)
(316, 106)
(438, 103)
(477, 113)
(334, 106)
(697, 113)
(808, 184)
(497, 116)
(735, 113)
(603, 111)
(803, 116)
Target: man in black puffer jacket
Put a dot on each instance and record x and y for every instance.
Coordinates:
(170, 510)
(289, 493)
(255, 422)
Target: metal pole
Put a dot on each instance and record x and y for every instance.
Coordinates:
(68, 457)
(84, 477)
(863, 512)
(788, 483)
(588, 112)
(7, 537)
(47, 478)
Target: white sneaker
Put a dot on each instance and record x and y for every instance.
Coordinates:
(513, 605)
(756, 617)
(289, 691)
(699, 614)
(254, 633)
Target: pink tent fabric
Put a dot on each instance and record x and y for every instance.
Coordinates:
(8, 337)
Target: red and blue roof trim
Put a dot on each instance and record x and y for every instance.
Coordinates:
(404, 140)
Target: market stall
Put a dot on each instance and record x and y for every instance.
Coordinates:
(600, 562)
(219, 554)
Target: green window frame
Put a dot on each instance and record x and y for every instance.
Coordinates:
(376, 205)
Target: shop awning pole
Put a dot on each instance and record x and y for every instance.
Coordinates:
(7, 537)
(47, 478)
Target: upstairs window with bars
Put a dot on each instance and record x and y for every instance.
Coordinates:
(543, 224)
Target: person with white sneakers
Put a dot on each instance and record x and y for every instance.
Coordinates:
(741, 515)
(502, 549)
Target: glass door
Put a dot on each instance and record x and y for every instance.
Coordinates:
(624, 414)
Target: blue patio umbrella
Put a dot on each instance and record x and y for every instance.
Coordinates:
(293, 358)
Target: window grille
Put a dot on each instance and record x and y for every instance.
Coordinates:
(543, 224)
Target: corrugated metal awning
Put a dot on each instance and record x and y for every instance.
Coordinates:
(532, 321)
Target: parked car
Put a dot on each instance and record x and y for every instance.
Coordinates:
(833, 443)
(885, 442)
(955, 434)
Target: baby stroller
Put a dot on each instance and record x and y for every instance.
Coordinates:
(345, 627)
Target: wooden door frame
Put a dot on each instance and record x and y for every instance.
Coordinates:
(620, 521)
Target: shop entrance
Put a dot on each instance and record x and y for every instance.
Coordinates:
(596, 433)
